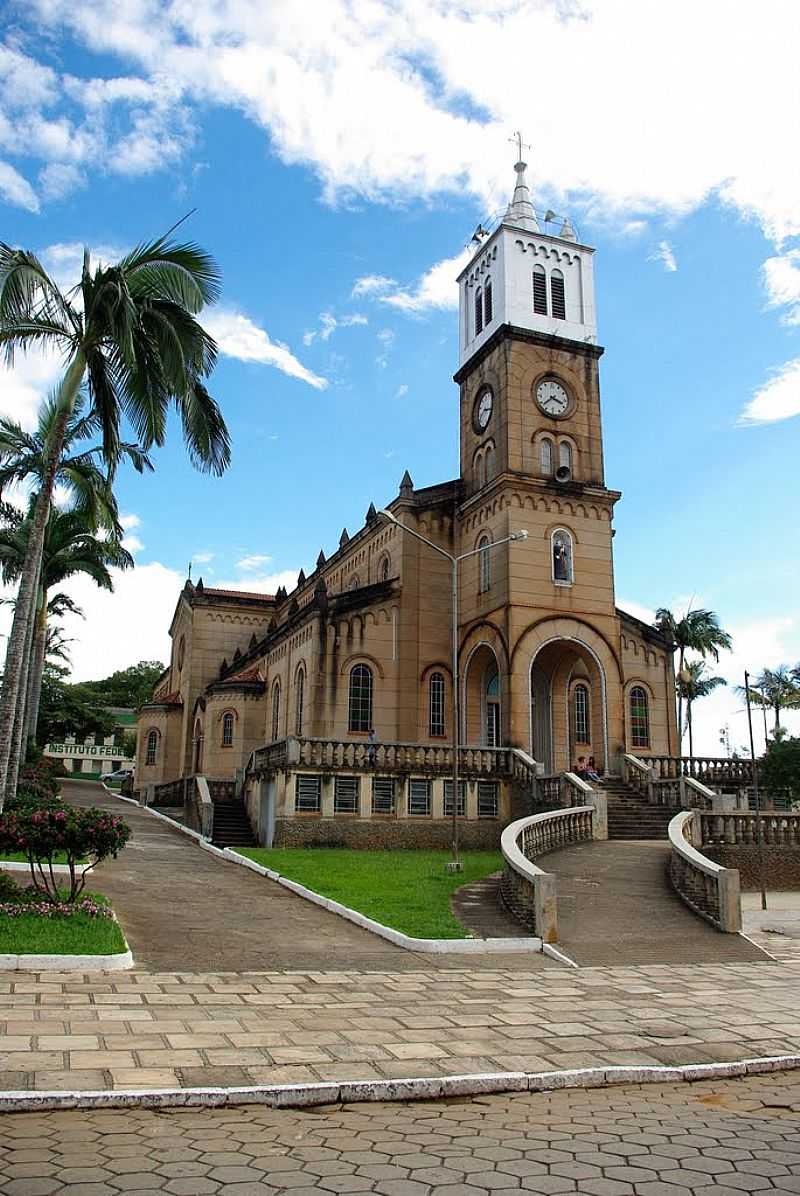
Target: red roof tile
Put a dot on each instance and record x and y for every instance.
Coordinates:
(238, 594)
(251, 674)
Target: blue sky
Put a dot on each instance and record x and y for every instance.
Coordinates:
(331, 143)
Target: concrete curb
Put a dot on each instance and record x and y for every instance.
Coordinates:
(120, 962)
(292, 1096)
(58, 869)
(430, 946)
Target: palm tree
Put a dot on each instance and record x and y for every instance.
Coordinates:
(694, 684)
(777, 689)
(696, 631)
(128, 332)
(70, 547)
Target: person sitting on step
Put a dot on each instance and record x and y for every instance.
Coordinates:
(591, 770)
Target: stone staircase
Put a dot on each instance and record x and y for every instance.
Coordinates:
(630, 816)
(231, 825)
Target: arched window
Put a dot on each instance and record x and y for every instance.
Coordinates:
(480, 469)
(539, 291)
(640, 718)
(384, 570)
(360, 704)
(478, 311)
(562, 558)
(227, 729)
(152, 747)
(436, 704)
(492, 693)
(484, 565)
(489, 460)
(276, 709)
(299, 698)
(558, 301)
(565, 455)
(487, 302)
(354, 582)
(546, 457)
(581, 701)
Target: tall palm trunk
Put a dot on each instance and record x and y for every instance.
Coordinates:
(680, 702)
(689, 721)
(38, 654)
(12, 695)
(19, 740)
(777, 717)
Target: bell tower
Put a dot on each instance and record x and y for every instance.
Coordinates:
(528, 351)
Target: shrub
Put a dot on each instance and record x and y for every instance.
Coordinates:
(42, 831)
(38, 780)
(9, 889)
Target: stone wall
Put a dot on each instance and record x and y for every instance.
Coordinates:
(519, 898)
(781, 864)
(385, 833)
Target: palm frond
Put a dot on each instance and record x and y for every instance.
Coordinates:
(204, 430)
(182, 272)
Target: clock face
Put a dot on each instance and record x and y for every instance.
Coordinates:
(551, 397)
(483, 409)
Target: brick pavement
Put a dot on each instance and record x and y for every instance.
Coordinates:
(720, 1138)
(160, 1030)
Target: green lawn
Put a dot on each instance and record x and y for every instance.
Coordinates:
(21, 858)
(407, 890)
(79, 934)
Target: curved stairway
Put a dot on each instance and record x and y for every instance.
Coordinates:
(231, 825)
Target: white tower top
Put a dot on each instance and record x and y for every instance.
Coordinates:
(526, 278)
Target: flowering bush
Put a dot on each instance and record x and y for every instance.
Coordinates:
(55, 909)
(43, 831)
(37, 782)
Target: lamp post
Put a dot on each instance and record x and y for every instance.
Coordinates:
(455, 865)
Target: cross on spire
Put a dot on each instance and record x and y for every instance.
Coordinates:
(520, 143)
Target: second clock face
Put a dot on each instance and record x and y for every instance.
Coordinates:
(483, 409)
(551, 397)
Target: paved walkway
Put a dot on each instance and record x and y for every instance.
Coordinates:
(145, 1030)
(719, 1139)
(615, 906)
(185, 910)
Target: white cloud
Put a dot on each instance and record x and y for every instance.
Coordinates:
(24, 385)
(238, 336)
(133, 544)
(203, 558)
(665, 254)
(436, 289)
(778, 398)
(329, 323)
(263, 583)
(254, 561)
(782, 283)
(401, 391)
(129, 521)
(387, 338)
(372, 284)
(16, 190)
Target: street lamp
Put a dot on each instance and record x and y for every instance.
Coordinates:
(455, 865)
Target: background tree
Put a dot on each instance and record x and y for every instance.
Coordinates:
(778, 689)
(69, 710)
(693, 685)
(780, 768)
(696, 631)
(128, 687)
(129, 333)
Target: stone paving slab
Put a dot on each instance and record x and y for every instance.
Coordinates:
(713, 1139)
(142, 1030)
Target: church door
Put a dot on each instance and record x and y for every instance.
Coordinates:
(541, 724)
(493, 709)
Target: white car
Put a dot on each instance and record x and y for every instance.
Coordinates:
(119, 775)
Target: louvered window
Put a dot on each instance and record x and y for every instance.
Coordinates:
(307, 793)
(419, 799)
(487, 303)
(448, 799)
(478, 311)
(383, 795)
(345, 795)
(487, 799)
(557, 297)
(539, 291)
(546, 457)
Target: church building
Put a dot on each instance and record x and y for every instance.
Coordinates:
(337, 697)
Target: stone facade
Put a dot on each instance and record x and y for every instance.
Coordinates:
(547, 663)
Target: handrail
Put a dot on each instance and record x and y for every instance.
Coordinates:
(707, 888)
(635, 762)
(331, 754)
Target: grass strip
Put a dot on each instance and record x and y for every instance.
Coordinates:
(407, 890)
(78, 934)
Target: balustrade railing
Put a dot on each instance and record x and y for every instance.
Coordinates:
(708, 889)
(728, 829)
(527, 891)
(336, 754)
(637, 774)
(710, 770)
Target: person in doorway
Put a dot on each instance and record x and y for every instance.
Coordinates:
(371, 747)
(591, 770)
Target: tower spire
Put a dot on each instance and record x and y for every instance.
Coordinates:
(520, 211)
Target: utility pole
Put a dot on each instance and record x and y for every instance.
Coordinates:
(759, 825)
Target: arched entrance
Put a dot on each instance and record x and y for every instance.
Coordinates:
(482, 704)
(198, 747)
(568, 716)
